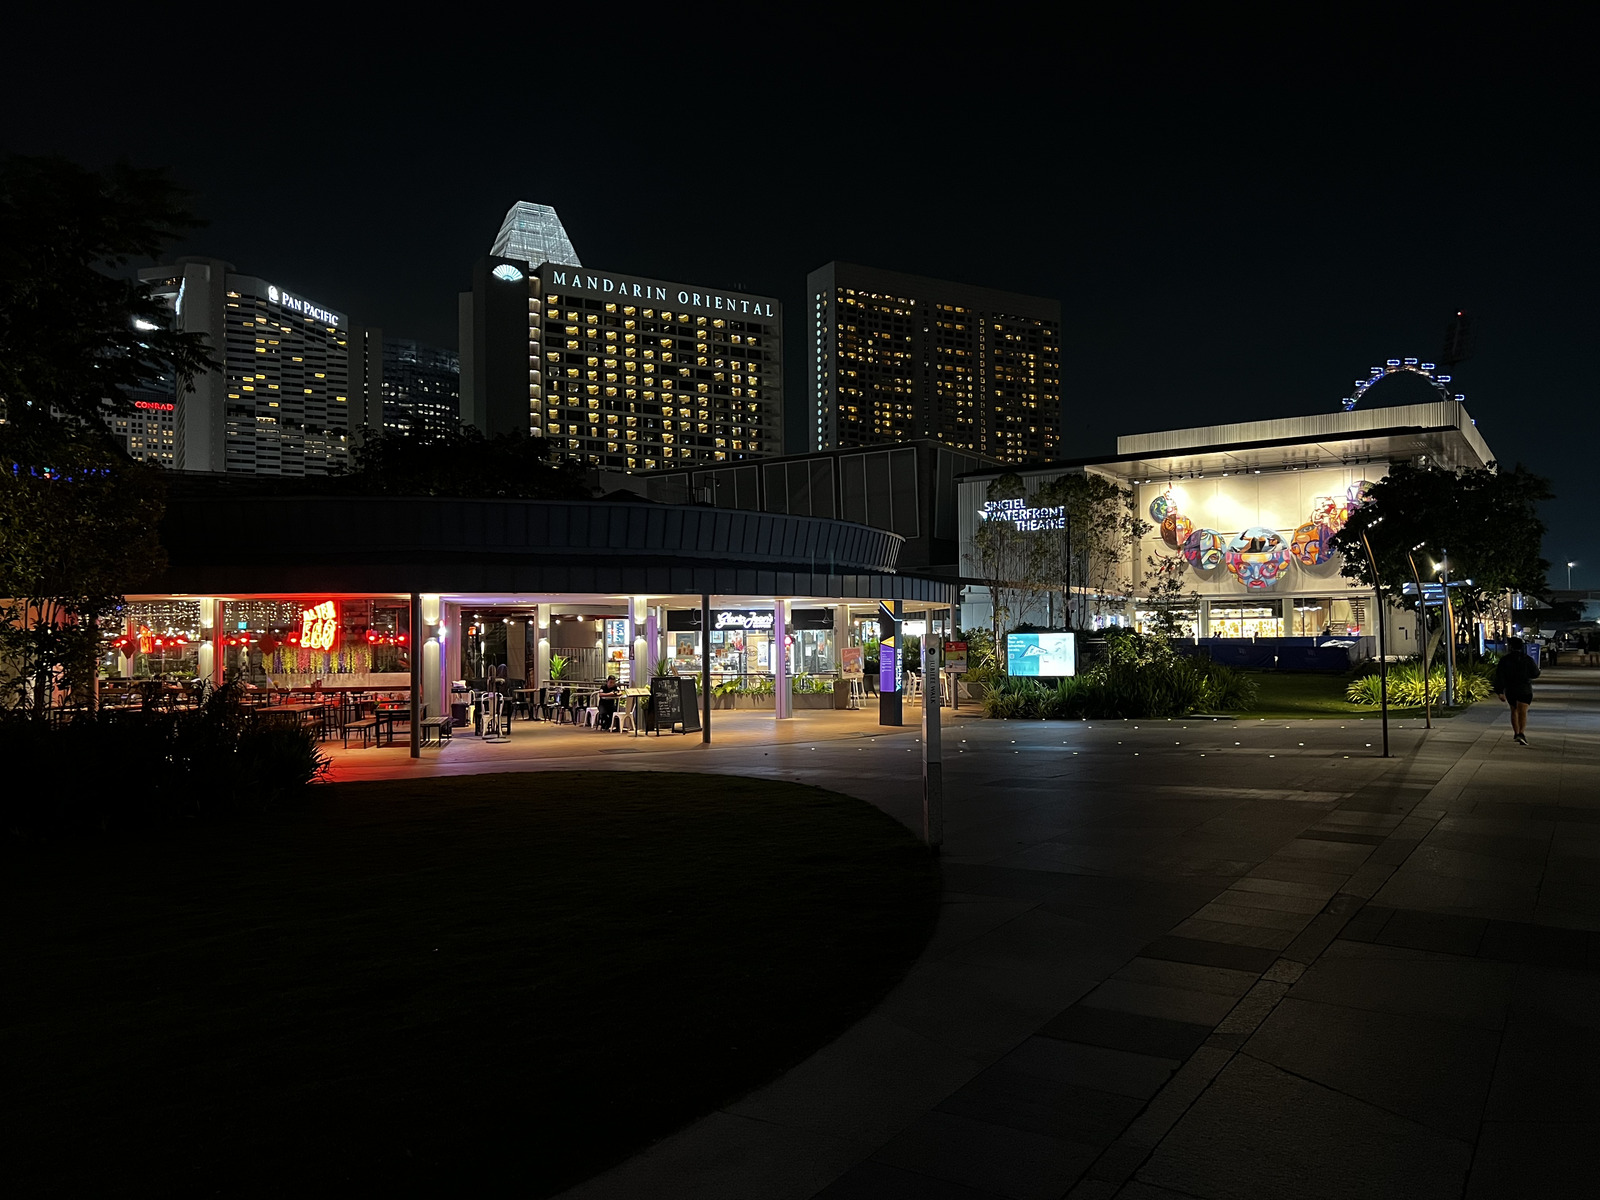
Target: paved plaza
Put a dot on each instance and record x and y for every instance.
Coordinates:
(1183, 958)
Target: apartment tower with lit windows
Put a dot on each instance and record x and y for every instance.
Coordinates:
(896, 357)
(280, 402)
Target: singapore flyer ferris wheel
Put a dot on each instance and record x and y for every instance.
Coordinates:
(1398, 366)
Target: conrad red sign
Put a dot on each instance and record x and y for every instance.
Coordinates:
(152, 405)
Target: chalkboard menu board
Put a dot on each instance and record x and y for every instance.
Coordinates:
(675, 703)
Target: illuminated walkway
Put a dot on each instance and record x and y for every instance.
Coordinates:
(1213, 958)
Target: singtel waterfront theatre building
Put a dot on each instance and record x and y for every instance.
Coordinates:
(1247, 510)
(621, 372)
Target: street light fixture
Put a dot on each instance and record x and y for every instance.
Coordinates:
(1570, 565)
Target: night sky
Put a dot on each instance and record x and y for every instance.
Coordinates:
(1237, 226)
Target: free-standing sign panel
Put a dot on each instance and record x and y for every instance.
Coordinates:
(674, 699)
(1053, 654)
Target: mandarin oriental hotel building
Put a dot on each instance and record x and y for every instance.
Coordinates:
(621, 372)
(441, 604)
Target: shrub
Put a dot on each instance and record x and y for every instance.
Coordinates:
(132, 770)
(1140, 677)
(1406, 690)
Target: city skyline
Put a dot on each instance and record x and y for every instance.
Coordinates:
(1232, 234)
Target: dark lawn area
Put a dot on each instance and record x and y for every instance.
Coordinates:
(489, 983)
(1315, 694)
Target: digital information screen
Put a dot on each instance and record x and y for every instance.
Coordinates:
(1042, 653)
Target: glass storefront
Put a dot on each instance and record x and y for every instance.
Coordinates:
(294, 643)
(160, 639)
(742, 643)
(1184, 620)
(1325, 617)
(1245, 619)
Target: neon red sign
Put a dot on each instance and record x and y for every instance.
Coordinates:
(319, 626)
(151, 404)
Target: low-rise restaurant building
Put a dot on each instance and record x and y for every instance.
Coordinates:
(432, 595)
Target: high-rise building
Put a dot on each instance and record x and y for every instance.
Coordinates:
(281, 402)
(621, 372)
(421, 388)
(896, 357)
(532, 233)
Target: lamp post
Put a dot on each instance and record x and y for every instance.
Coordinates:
(1383, 654)
(1570, 565)
(1422, 621)
(1449, 632)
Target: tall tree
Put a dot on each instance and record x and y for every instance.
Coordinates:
(75, 331)
(78, 520)
(1000, 554)
(1486, 522)
(1089, 555)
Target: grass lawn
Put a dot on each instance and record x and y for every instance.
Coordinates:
(492, 983)
(1290, 694)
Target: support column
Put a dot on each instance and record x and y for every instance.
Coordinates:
(705, 669)
(782, 703)
(638, 643)
(206, 662)
(889, 710)
(517, 649)
(932, 746)
(219, 653)
(416, 677)
(427, 643)
(542, 651)
(652, 641)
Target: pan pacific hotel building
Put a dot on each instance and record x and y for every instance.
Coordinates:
(622, 372)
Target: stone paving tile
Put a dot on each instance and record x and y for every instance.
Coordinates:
(879, 1181)
(1367, 924)
(1534, 1158)
(1285, 871)
(1260, 1132)
(1284, 887)
(1002, 1096)
(1546, 1072)
(1242, 935)
(867, 1084)
(1209, 953)
(1168, 1003)
(1442, 932)
(1412, 982)
(1120, 1072)
(1253, 1008)
(1348, 836)
(1194, 976)
(1249, 898)
(1119, 1030)
(1436, 1073)
(976, 1154)
(1247, 914)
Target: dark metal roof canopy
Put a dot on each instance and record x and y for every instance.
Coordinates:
(259, 544)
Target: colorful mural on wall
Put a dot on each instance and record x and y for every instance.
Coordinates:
(1258, 557)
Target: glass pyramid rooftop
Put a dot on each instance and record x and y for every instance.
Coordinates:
(533, 234)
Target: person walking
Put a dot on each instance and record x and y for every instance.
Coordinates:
(1513, 682)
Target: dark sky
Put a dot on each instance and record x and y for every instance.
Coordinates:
(1237, 222)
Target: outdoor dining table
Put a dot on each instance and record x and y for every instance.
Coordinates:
(386, 715)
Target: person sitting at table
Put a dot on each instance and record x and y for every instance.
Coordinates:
(609, 691)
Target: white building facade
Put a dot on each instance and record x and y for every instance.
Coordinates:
(1242, 513)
